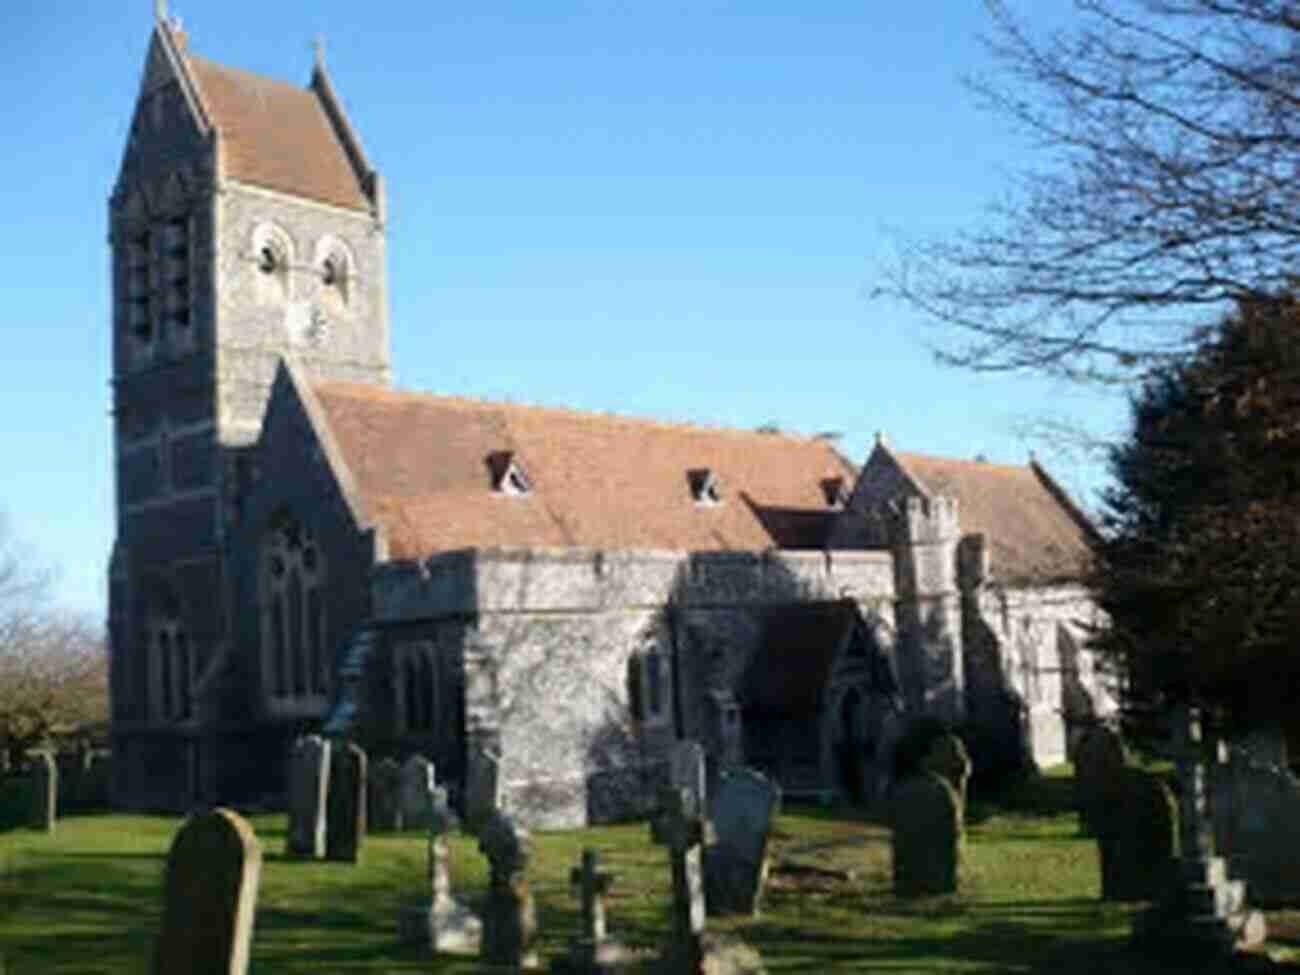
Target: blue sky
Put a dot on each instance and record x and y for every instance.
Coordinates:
(676, 211)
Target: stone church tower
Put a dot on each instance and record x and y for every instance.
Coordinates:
(245, 224)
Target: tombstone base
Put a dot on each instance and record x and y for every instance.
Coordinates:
(605, 957)
(451, 929)
(719, 954)
(1204, 912)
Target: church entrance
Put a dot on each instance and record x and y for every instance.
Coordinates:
(850, 753)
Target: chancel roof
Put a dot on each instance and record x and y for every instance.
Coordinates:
(276, 135)
(427, 468)
(1033, 530)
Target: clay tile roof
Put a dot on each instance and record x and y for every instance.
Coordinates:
(422, 465)
(276, 135)
(1034, 531)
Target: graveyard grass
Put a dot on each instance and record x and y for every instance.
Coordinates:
(87, 899)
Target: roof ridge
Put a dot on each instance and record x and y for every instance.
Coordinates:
(983, 465)
(377, 392)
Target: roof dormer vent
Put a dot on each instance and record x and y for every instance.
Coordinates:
(836, 492)
(705, 486)
(508, 475)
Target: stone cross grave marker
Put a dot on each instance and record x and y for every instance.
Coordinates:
(735, 864)
(687, 770)
(45, 791)
(441, 922)
(210, 892)
(309, 772)
(384, 812)
(592, 886)
(509, 916)
(417, 788)
(683, 831)
(345, 817)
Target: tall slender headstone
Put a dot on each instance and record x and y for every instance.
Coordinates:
(309, 771)
(45, 791)
(417, 792)
(509, 916)
(1099, 758)
(926, 823)
(384, 811)
(209, 897)
(687, 769)
(440, 921)
(345, 817)
(684, 831)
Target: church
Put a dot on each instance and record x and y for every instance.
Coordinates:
(538, 599)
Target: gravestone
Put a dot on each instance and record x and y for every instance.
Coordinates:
(209, 897)
(947, 758)
(509, 915)
(691, 949)
(309, 773)
(384, 812)
(45, 791)
(1136, 826)
(925, 816)
(735, 863)
(594, 950)
(1257, 825)
(417, 792)
(687, 769)
(345, 817)
(1099, 758)
(440, 921)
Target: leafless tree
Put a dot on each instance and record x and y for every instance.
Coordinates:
(1164, 189)
(53, 666)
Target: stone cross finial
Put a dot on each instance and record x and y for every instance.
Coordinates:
(592, 887)
(318, 51)
(160, 10)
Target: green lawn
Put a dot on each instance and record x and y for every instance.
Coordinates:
(88, 899)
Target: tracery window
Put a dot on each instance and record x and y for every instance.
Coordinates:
(293, 613)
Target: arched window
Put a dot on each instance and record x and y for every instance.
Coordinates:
(170, 661)
(272, 260)
(293, 613)
(650, 684)
(334, 264)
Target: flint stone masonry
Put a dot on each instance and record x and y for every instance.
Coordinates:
(925, 816)
(345, 830)
(384, 811)
(210, 893)
(45, 792)
(736, 862)
(309, 775)
(1257, 827)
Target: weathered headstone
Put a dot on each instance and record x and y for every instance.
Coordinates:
(417, 792)
(440, 921)
(509, 915)
(45, 791)
(687, 770)
(691, 949)
(210, 893)
(1136, 827)
(384, 812)
(947, 758)
(735, 864)
(1257, 825)
(1099, 758)
(345, 817)
(309, 771)
(594, 950)
(925, 816)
